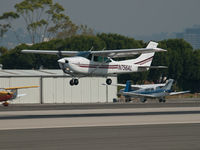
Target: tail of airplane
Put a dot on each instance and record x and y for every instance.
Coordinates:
(168, 85)
(146, 58)
(128, 86)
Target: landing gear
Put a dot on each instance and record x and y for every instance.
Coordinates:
(162, 100)
(76, 81)
(108, 81)
(73, 82)
(143, 100)
(127, 99)
(5, 104)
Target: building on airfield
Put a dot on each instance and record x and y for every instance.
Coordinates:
(54, 87)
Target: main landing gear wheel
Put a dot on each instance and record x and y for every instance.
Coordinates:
(73, 82)
(143, 100)
(108, 81)
(162, 100)
(76, 82)
(5, 104)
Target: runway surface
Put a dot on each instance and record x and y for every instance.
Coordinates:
(143, 137)
(113, 127)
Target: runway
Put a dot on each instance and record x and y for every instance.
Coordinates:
(151, 137)
(111, 128)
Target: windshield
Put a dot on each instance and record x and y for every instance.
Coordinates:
(87, 55)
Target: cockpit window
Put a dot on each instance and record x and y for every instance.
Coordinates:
(87, 55)
(101, 59)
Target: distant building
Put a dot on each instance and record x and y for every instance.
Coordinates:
(192, 36)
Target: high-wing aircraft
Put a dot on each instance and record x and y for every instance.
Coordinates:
(8, 94)
(156, 91)
(100, 63)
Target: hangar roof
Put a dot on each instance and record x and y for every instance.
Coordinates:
(31, 73)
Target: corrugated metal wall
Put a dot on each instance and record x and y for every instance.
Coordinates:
(58, 90)
(89, 90)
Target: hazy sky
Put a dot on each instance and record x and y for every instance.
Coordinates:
(129, 17)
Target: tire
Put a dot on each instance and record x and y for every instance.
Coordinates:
(108, 81)
(76, 81)
(71, 82)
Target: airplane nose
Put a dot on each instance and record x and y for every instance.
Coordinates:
(62, 61)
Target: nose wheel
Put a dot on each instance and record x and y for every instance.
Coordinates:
(73, 82)
(108, 81)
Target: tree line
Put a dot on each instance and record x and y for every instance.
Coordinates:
(182, 61)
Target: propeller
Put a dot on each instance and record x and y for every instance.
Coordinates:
(59, 47)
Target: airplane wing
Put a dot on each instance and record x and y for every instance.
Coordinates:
(141, 86)
(125, 52)
(51, 52)
(105, 53)
(176, 93)
(139, 95)
(23, 87)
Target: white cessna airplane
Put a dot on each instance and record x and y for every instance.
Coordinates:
(100, 63)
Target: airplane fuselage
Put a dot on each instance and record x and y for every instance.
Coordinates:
(81, 65)
(158, 93)
(4, 96)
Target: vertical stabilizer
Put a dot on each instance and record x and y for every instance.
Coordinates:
(128, 86)
(168, 85)
(146, 59)
(15, 93)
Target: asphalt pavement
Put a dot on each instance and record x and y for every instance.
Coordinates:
(194, 102)
(142, 137)
(174, 125)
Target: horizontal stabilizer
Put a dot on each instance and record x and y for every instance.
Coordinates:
(176, 93)
(20, 95)
(153, 67)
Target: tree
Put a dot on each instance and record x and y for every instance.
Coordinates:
(183, 64)
(3, 50)
(9, 17)
(85, 30)
(43, 19)
(3, 29)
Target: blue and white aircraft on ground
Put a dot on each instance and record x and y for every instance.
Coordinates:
(153, 91)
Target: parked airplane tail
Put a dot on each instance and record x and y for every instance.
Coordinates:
(146, 58)
(168, 85)
(128, 86)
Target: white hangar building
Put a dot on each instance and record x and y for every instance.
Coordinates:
(54, 87)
